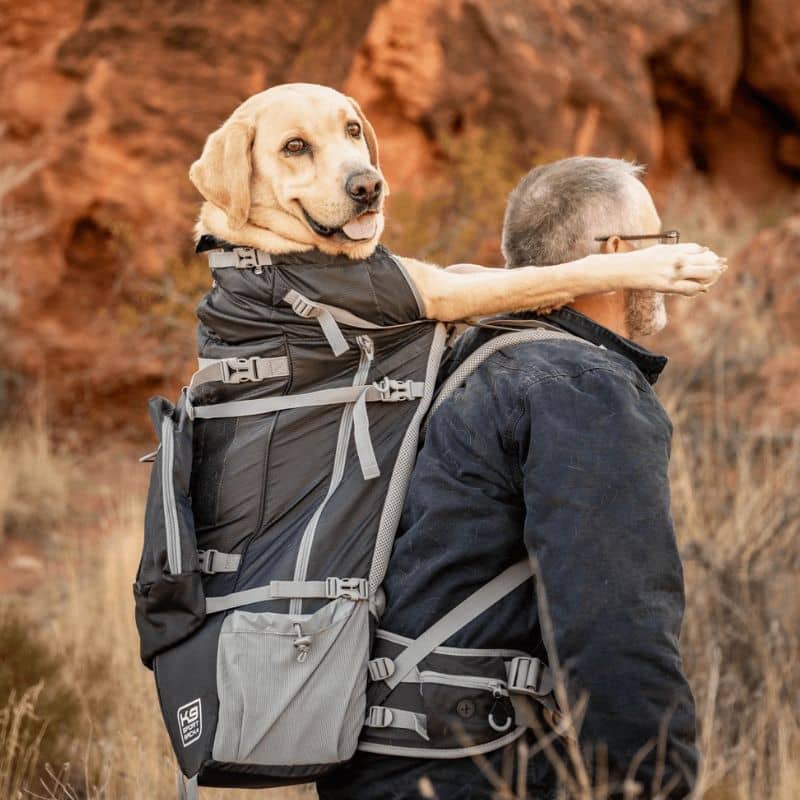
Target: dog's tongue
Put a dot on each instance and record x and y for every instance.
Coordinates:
(362, 227)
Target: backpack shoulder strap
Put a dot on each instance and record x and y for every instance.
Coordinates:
(529, 333)
(452, 622)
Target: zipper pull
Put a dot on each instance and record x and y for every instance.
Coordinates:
(501, 715)
(302, 643)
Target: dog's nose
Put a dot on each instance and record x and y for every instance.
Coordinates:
(364, 187)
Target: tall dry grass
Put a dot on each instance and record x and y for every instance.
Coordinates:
(120, 750)
(37, 477)
(21, 733)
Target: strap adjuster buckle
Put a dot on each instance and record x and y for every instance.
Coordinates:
(240, 370)
(250, 258)
(379, 717)
(350, 588)
(206, 559)
(304, 307)
(392, 390)
(529, 676)
(381, 668)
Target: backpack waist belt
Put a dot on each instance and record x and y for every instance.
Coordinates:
(329, 589)
(430, 701)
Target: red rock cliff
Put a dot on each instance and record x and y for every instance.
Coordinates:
(105, 104)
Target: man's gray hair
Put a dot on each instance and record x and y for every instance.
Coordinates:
(557, 209)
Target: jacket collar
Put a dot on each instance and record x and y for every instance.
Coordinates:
(651, 365)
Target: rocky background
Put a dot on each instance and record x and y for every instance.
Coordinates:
(105, 103)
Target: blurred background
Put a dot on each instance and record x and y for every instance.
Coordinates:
(103, 106)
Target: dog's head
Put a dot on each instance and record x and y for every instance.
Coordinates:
(301, 161)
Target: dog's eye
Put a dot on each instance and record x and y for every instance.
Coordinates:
(295, 146)
(354, 129)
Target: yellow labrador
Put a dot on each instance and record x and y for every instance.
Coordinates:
(296, 167)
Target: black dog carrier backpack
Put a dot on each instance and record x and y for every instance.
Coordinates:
(274, 499)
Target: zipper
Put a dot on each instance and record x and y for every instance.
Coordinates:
(497, 687)
(339, 461)
(171, 527)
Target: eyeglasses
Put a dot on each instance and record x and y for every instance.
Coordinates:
(665, 237)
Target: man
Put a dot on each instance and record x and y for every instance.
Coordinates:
(557, 450)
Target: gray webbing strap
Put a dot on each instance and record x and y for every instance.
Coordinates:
(341, 315)
(452, 622)
(475, 359)
(325, 397)
(384, 717)
(239, 258)
(364, 448)
(187, 789)
(329, 589)
(337, 470)
(239, 370)
(212, 561)
(304, 307)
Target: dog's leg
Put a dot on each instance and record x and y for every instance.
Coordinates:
(471, 290)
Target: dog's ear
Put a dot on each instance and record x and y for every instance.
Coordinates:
(369, 134)
(222, 173)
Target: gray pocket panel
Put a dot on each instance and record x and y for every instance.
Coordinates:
(278, 707)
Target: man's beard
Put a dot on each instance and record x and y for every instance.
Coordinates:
(645, 313)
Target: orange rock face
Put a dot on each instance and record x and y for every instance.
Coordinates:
(773, 39)
(106, 103)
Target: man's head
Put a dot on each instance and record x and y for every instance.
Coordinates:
(557, 212)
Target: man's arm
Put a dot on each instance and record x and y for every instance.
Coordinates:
(594, 451)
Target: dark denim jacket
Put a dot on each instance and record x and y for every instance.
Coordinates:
(559, 450)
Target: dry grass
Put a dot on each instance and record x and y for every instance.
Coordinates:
(737, 512)
(120, 749)
(21, 732)
(34, 491)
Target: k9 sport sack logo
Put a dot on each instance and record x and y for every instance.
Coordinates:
(190, 722)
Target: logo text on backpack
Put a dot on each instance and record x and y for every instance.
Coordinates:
(190, 722)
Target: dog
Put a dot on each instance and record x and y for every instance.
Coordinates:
(296, 167)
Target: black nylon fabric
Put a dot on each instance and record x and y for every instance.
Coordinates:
(170, 606)
(256, 486)
(185, 675)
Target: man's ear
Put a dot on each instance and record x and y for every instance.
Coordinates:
(222, 173)
(369, 134)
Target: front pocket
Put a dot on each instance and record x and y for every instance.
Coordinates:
(467, 710)
(292, 687)
(168, 589)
